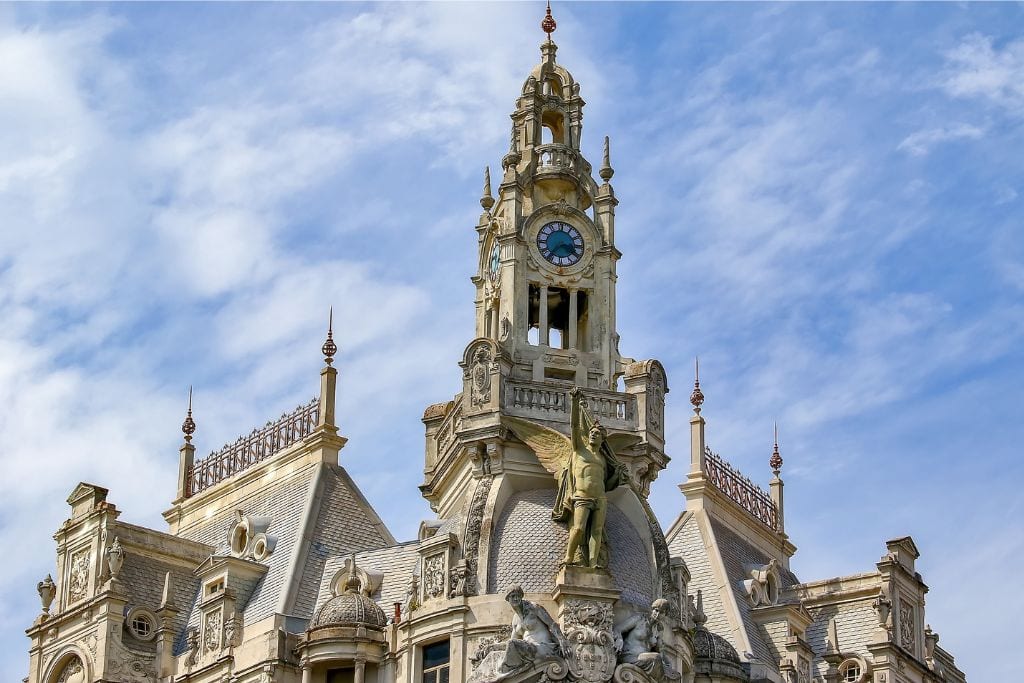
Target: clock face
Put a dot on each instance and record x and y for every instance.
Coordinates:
(560, 243)
(494, 263)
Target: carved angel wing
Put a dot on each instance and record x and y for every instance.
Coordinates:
(553, 449)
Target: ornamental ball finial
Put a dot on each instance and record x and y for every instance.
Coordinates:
(548, 24)
(697, 397)
(188, 427)
(487, 201)
(329, 348)
(775, 462)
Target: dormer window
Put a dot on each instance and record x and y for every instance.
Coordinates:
(214, 587)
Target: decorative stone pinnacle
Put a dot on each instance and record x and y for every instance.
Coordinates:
(775, 462)
(487, 201)
(606, 165)
(697, 397)
(700, 618)
(329, 348)
(548, 24)
(188, 427)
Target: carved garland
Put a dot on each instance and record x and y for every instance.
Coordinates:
(474, 525)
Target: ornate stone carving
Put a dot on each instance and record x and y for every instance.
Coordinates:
(474, 524)
(412, 597)
(212, 631)
(588, 627)
(908, 629)
(458, 579)
(78, 575)
(480, 377)
(640, 637)
(485, 644)
(115, 558)
(434, 576)
(73, 671)
(535, 643)
(233, 631)
(192, 641)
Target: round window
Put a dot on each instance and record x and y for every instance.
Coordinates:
(850, 672)
(142, 624)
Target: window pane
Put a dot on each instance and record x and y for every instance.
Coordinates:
(435, 654)
(443, 674)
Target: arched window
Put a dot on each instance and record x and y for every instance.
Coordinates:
(73, 671)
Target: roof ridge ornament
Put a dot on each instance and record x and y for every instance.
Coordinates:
(697, 397)
(329, 348)
(548, 24)
(775, 462)
(188, 427)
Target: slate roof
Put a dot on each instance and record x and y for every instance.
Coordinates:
(527, 547)
(397, 563)
(337, 518)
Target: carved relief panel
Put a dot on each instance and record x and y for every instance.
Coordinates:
(78, 572)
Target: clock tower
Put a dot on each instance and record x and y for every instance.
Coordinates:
(545, 290)
(545, 311)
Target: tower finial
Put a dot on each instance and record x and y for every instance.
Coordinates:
(487, 201)
(697, 397)
(329, 348)
(548, 24)
(606, 164)
(188, 427)
(775, 462)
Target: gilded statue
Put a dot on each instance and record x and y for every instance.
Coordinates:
(586, 468)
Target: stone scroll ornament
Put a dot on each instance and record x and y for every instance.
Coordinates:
(586, 468)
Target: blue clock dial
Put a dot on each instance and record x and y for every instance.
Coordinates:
(495, 262)
(560, 243)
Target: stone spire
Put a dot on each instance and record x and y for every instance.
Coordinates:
(487, 201)
(606, 171)
(776, 485)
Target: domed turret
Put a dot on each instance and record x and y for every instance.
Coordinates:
(350, 608)
(714, 657)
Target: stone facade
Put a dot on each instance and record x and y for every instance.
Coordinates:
(275, 568)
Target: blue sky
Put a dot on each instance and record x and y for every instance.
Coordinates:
(822, 201)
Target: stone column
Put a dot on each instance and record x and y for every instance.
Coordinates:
(573, 314)
(360, 670)
(543, 338)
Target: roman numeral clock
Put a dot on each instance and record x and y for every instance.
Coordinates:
(560, 244)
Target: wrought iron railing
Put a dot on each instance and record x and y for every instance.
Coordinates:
(255, 447)
(740, 489)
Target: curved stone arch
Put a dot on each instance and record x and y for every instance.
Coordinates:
(60, 661)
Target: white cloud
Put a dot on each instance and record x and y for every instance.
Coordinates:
(922, 141)
(977, 69)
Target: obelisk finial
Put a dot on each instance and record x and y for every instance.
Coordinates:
(329, 348)
(606, 164)
(188, 427)
(697, 397)
(487, 201)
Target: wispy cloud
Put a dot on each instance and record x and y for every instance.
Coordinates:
(922, 141)
(976, 68)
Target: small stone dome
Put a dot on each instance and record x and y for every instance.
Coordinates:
(713, 654)
(350, 608)
(708, 645)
